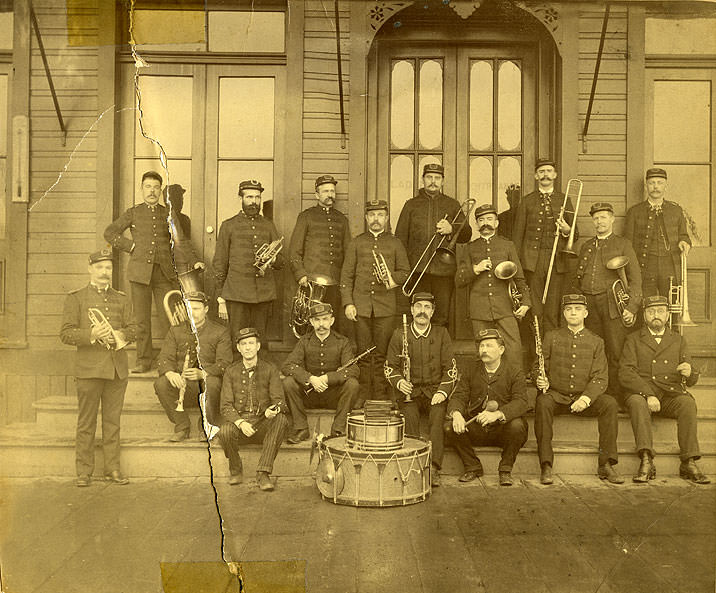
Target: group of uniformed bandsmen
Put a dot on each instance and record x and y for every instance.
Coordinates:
(586, 362)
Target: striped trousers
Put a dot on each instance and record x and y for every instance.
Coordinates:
(270, 432)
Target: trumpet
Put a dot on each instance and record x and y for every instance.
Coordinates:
(307, 296)
(381, 272)
(446, 254)
(266, 254)
(98, 319)
(620, 287)
(679, 299)
(505, 271)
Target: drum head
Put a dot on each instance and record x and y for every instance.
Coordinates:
(330, 481)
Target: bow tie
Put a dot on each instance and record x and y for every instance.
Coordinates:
(250, 369)
(548, 196)
(656, 209)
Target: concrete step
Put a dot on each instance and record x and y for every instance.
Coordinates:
(26, 451)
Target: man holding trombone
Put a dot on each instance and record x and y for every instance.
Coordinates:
(98, 320)
(425, 220)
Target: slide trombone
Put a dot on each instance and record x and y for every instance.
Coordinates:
(679, 299)
(445, 253)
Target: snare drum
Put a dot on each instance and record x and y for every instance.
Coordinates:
(371, 478)
(375, 434)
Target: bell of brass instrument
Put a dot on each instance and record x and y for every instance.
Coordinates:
(266, 254)
(175, 307)
(97, 318)
(679, 299)
(381, 271)
(505, 271)
(620, 287)
(436, 247)
(306, 297)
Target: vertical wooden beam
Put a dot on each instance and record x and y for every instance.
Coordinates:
(570, 92)
(636, 158)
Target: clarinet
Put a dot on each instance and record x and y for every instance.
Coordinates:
(405, 355)
(351, 362)
(538, 350)
(182, 390)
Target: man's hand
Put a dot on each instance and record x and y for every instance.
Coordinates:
(628, 317)
(443, 227)
(458, 423)
(653, 403)
(542, 383)
(247, 429)
(351, 312)
(522, 311)
(562, 226)
(101, 331)
(320, 384)
(482, 266)
(223, 312)
(175, 379)
(438, 398)
(685, 369)
(200, 265)
(685, 247)
(405, 387)
(193, 374)
(303, 281)
(578, 406)
(485, 417)
(271, 411)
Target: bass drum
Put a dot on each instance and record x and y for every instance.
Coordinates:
(373, 478)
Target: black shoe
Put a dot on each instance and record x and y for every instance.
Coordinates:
(647, 469)
(264, 481)
(435, 477)
(546, 475)
(505, 478)
(470, 475)
(608, 473)
(116, 478)
(336, 433)
(179, 437)
(690, 471)
(82, 481)
(142, 367)
(298, 436)
(235, 479)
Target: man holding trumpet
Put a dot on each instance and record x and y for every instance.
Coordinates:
(98, 320)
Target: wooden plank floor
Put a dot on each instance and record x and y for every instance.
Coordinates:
(579, 535)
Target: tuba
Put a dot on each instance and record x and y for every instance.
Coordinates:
(505, 271)
(97, 318)
(174, 305)
(679, 299)
(381, 272)
(266, 254)
(306, 296)
(620, 287)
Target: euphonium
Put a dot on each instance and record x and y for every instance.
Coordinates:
(174, 305)
(620, 287)
(306, 296)
(266, 254)
(381, 271)
(97, 318)
(505, 271)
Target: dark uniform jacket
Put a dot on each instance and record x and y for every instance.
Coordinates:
(506, 387)
(359, 286)
(311, 357)
(534, 227)
(248, 397)
(319, 243)
(215, 352)
(432, 362)
(149, 244)
(236, 277)
(641, 227)
(416, 227)
(593, 277)
(489, 297)
(648, 368)
(94, 361)
(575, 364)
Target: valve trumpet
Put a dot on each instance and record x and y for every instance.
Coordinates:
(620, 287)
(97, 319)
(266, 254)
(381, 271)
(505, 271)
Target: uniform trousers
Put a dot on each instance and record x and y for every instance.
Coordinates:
(550, 314)
(511, 436)
(168, 396)
(610, 330)
(332, 296)
(509, 330)
(158, 286)
(441, 287)
(604, 408)
(243, 315)
(436, 416)
(337, 397)
(90, 392)
(269, 431)
(373, 331)
(656, 273)
(681, 406)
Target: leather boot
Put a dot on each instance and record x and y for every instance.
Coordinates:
(690, 471)
(647, 469)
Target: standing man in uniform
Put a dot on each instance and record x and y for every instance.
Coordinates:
(150, 269)
(201, 372)
(536, 221)
(433, 374)
(491, 306)
(101, 364)
(367, 300)
(422, 216)
(657, 230)
(319, 242)
(594, 279)
(655, 371)
(244, 293)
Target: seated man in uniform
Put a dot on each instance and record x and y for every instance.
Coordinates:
(575, 380)
(493, 395)
(655, 370)
(252, 407)
(432, 374)
(312, 375)
(181, 369)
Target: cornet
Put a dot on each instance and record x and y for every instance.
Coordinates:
(381, 271)
(266, 254)
(98, 319)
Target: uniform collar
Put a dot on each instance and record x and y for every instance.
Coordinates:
(487, 239)
(418, 334)
(577, 333)
(376, 235)
(99, 289)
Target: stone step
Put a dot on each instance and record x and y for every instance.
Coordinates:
(27, 452)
